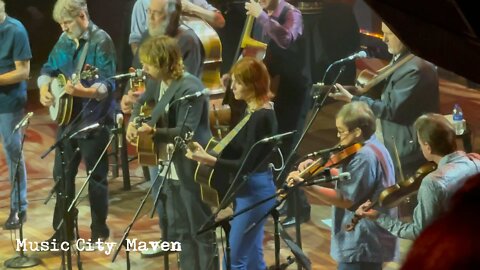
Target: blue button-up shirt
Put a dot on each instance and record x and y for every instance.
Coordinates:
(63, 59)
(434, 193)
(371, 171)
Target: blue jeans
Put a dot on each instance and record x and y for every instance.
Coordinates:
(359, 266)
(246, 250)
(11, 147)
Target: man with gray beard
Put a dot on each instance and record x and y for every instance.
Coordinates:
(175, 222)
(164, 19)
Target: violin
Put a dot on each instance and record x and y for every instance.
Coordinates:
(392, 196)
(319, 165)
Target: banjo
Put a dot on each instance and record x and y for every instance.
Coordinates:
(61, 109)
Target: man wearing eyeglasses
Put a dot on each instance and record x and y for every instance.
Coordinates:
(371, 170)
(163, 17)
(198, 8)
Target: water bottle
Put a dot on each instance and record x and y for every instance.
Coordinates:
(458, 121)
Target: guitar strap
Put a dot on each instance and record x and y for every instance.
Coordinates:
(229, 137)
(161, 106)
(83, 56)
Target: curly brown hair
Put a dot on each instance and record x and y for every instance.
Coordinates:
(163, 52)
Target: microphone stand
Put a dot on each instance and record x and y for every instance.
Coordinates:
(318, 105)
(123, 241)
(22, 260)
(177, 142)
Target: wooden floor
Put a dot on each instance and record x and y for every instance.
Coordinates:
(123, 204)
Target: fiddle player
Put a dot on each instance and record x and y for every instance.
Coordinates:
(410, 91)
(436, 138)
(371, 170)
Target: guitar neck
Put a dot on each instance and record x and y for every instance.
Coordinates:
(386, 72)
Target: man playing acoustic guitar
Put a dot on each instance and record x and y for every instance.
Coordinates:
(183, 207)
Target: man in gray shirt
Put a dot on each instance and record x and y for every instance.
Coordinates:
(437, 141)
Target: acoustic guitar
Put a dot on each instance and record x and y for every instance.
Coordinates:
(211, 187)
(149, 152)
(214, 185)
(62, 107)
(366, 80)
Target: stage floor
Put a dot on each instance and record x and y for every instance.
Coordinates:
(123, 204)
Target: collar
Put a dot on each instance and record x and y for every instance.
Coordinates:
(4, 19)
(450, 157)
(86, 34)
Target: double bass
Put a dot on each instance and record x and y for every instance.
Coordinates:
(246, 47)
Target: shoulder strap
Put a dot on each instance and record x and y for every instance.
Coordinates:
(82, 59)
(162, 105)
(229, 137)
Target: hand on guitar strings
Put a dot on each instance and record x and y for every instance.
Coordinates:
(132, 134)
(46, 98)
(146, 129)
(128, 100)
(74, 89)
(341, 93)
(196, 152)
(364, 213)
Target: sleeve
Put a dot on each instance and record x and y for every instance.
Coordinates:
(262, 126)
(105, 62)
(204, 4)
(363, 179)
(138, 22)
(190, 111)
(400, 100)
(21, 50)
(428, 208)
(147, 96)
(286, 33)
(55, 59)
(191, 49)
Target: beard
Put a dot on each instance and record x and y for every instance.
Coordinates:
(158, 30)
(75, 33)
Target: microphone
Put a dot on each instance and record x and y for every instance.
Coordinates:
(87, 128)
(326, 179)
(325, 151)
(23, 122)
(137, 73)
(360, 54)
(205, 91)
(277, 137)
(119, 121)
